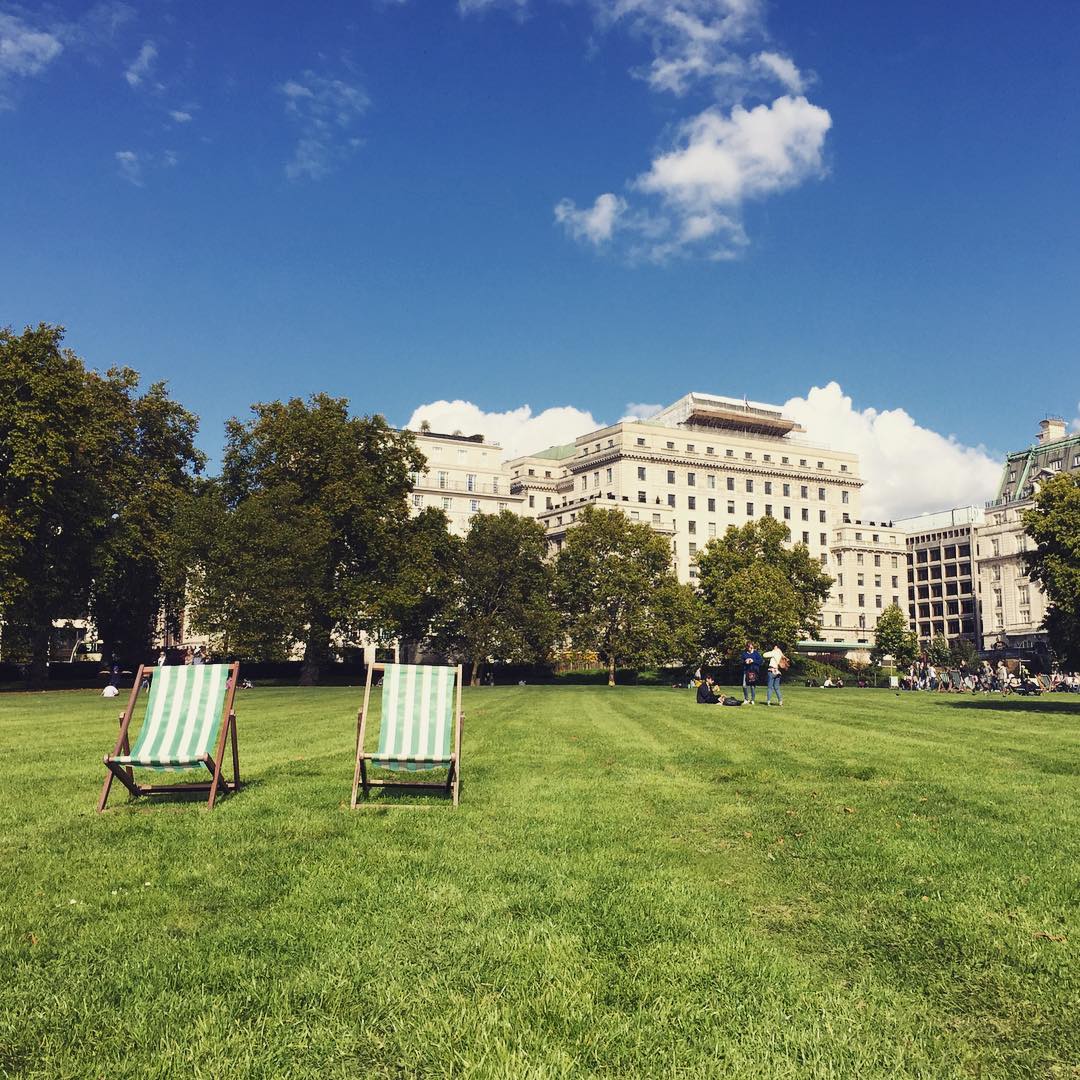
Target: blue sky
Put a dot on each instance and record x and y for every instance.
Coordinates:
(397, 202)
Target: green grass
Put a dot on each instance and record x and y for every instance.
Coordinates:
(856, 885)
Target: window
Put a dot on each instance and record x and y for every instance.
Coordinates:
(641, 472)
(634, 515)
(749, 509)
(768, 487)
(895, 563)
(607, 477)
(731, 483)
(729, 453)
(787, 491)
(862, 621)
(731, 507)
(821, 516)
(446, 503)
(767, 457)
(877, 581)
(532, 501)
(656, 519)
(710, 482)
(640, 442)
(806, 538)
(671, 476)
(749, 485)
(691, 479)
(787, 513)
(671, 446)
(444, 480)
(802, 463)
(710, 450)
(495, 485)
(689, 447)
(858, 558)
(877, 560)
(474, 506)
(768, 510)
(844, 496)
(691, 528)
(859, 580)
(843, 467)
(712, 506)
(862, 600)
(692, 548)
(824, 559)
(836, 620)
(823, 539)
(641, 497)
(691, 502)
(418, 501)
(821, 494)
(671, 500)
(804, 492)
(596, 479)
(895, 582)
(712, 529)
(804, 514)
(502, 507)
(749, 456)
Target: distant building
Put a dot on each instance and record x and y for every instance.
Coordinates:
(707, 462)
(1014, 606)
(942, 583)
(464, 476)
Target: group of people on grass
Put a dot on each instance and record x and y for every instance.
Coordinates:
(751, 662)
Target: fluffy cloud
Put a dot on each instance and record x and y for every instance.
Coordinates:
(596, 223)
(180, 116)
(324, 110)
(517, 431)
(24, 51)
(142, 65)
(908, 469)
(131, 167)
(757, 136)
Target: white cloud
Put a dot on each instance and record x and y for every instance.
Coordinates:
(640, 411)
(180, 116)
(782, 68)
(141, 66)
(325, 110)
(908, 469)
(25, 51)
(518, 431)
(131, 167)
(1076, 422)
(596, 223)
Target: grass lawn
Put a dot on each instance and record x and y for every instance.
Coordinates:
(856, 885)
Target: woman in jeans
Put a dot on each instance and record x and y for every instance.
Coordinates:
(775, 655)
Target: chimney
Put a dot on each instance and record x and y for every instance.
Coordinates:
(1051, 429)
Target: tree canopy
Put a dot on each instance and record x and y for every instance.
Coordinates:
(756, 588)
(618, 594)
(893, 638)
(1054, 524)
(90, 472)
(500, 593)
(292, 543)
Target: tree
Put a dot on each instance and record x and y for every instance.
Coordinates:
(893, 638)
(963, 653)
(755, 588)
(500, 598)
(418, 590)
(72, 441)
(937, 651)
(1054, 524)
(618, 594)
(293, 541)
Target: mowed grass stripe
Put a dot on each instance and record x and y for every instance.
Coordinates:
(853, 885)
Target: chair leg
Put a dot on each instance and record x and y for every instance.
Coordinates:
(105, 790)
(235, 758)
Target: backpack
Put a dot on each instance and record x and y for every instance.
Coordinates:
(730, 701)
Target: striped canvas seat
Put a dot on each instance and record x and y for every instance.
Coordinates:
(183, 718)
(417, 718)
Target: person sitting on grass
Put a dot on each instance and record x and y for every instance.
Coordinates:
(706, 692)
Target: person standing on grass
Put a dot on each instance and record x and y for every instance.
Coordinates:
(777, 662)
(750, 661)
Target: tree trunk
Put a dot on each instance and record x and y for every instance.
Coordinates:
(475, 678)
(39, 655)
(611, 671)
(316, 652)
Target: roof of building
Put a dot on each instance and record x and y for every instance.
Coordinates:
(712, 411)
(556, 453)
(458, 437)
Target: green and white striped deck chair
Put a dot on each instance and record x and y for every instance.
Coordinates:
(420, 728)
(189, 716)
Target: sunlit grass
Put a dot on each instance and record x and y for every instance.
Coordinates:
(855, 885)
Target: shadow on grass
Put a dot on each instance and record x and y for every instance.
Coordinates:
(1047, 704)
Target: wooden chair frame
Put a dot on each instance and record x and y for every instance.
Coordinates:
(451, 788)
(126, 773)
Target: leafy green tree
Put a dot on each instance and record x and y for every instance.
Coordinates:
(755, 588)
(893, 638)
(937, 651)
(72, 444)
(419, 589)
(618, 594)
(963, 653)
(291, 544)
(500, 597)
(1054, 524)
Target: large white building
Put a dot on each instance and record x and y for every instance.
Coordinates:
(707, 462)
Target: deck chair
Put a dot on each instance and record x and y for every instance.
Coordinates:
(421, 713)
(1044, 682)
(189, 715)
(956, 680)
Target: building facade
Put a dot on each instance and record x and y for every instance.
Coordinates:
(942, 577)
(707, 462)
(464, 476)
(1014, 606)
